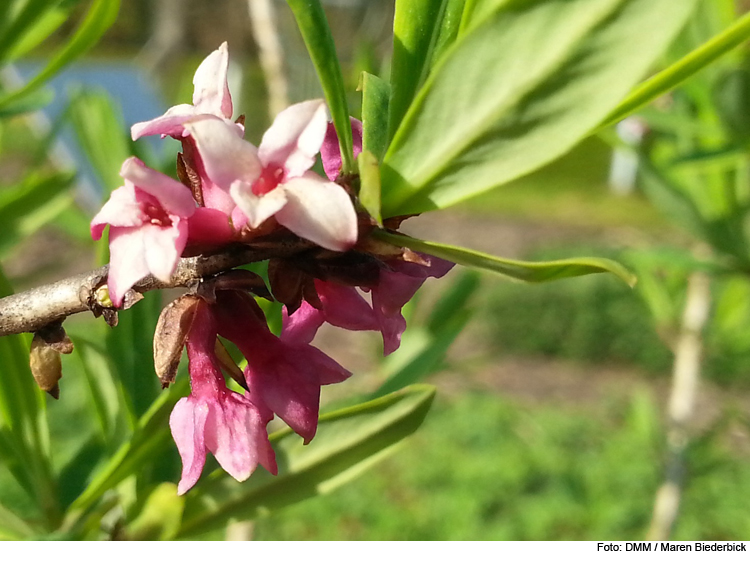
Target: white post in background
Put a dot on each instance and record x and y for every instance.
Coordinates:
(270, 53)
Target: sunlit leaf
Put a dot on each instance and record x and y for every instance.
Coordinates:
(375, 95)
(369, 178)
(518, 90)
(527, 271)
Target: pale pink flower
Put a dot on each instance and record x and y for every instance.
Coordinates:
(211, 97)
(274, 179)
(282, 375)
(148, 226)
(214, 418)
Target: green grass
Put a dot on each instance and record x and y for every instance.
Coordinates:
(483, 468)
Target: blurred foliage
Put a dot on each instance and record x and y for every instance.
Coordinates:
(484, 468)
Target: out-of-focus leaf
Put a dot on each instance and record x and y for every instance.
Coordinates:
(683, 69)
(517, 91)
(101, 133)
(77, 472)
(100, 16)
(347, 441)
(32, 204)
(416, 27)
(23, 412)
(312, 23)
(375, 95)
(369, 179)
(12, 527)
(160, 517)
(528, 271)
(30, 103)
(147, 442)
(47, 17)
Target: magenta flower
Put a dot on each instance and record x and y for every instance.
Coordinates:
(214, 418)
(330, 153)
(281, 375)
(274, 179)
(396, 286)
(211, 97)
(148, 226)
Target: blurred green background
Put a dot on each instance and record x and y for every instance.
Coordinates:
(549, 422)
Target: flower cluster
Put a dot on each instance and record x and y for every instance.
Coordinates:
(232, 194)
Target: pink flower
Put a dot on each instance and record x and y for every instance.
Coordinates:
(214, 418)
(273, 180)
(281, 375)
(396, 286)
(330, 152)
(148, 226)
(343, 306)
(211, 97)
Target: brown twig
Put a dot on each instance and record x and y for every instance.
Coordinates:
(33, 309)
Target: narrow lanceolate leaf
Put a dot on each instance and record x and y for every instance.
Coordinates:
(369, 180)
(375, 95)
(527, 271)
(448, 30)
(100, 16)
(312, 24)
(669, 78)
(519, 89)
(416, 26)
(347, 442)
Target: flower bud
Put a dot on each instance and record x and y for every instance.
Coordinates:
(171, 334)
(44, 357)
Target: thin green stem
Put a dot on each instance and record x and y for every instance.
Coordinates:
(683, 69)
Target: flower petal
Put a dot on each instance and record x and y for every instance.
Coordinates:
(127, 261)
(172, 195)
(187, 423)
(225, 156)
(169, 124)
(301, 326)
(294, 139)
(211, 94)
(320, 211)
(164, 245)
(330, 152)
(208, 225)
(257, 208)
(121, 210)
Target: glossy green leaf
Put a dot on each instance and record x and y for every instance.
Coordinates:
(416, 27)
(347, 441)
(666, 80)
(375, 95)
(527, 271)
(448, 30)
(369, 180)
(100, 16)
(312, 24)
(101, 134)
(518, 90)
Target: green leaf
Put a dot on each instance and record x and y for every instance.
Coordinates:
(518, 90)
(130, 347)
(160, 517)
(312, 24)
(45, 21)
(347, 442)
(527, 271)
(375, 95)
(147, 442)
(666, 80)
(101, 133)
(100, 16)
(449, 28)
(416, 27)
(369, 179)
(32, 204)
(12, 527)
